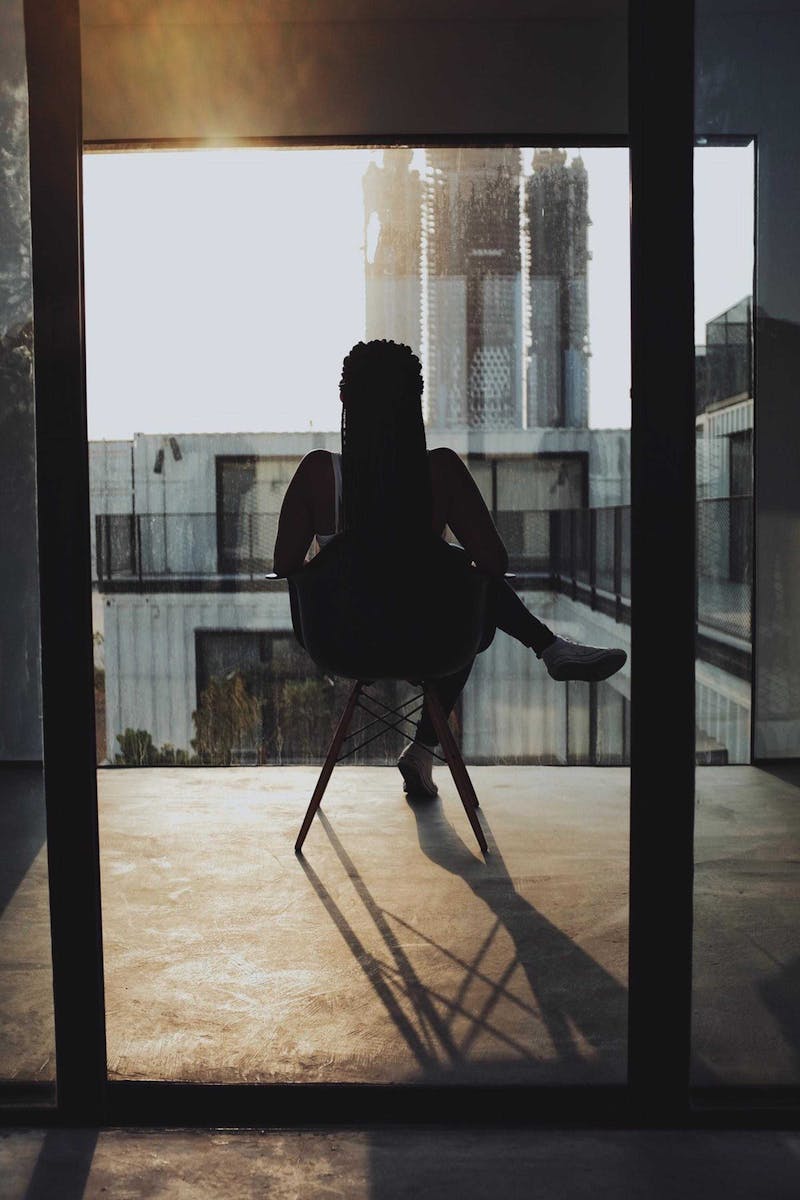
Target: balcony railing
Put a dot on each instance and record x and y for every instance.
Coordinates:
(725, 566)
(582, 552)
(145, 546)
(591, 557)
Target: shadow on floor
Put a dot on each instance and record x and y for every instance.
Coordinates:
(406, 1163)
(564, 1165)
(576, 998)
(582, 1008)
(781, 995)
(63, 1165)
(22, 825)
(787, 772)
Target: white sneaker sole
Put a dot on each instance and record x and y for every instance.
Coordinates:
(413, 782)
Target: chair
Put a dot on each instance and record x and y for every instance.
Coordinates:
(365, 612)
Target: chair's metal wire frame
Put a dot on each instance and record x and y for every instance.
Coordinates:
(452, 754)
(404, 719)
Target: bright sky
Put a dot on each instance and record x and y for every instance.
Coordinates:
(724, 229)
(223, 287)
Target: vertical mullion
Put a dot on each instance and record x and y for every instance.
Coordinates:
(52, 34)
(661, 79)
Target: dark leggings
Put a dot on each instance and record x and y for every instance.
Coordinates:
(504, 611)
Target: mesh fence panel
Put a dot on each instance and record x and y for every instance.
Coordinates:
(581, 523)
(604, 548)
(724, 565)
(625, 553)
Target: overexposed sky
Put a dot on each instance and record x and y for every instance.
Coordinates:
(724, 216)
(223, 287)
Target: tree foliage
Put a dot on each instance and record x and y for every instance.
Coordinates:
(137, 750)
(227, 717)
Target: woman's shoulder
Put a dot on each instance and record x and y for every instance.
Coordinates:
(443, 458)
(313, 472)
(315, 463)
(445, 464)
(315, 457)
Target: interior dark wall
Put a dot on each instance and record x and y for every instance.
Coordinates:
(157, 69)
(20, 693)
(748, 83)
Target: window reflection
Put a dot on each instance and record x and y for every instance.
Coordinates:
(480, 259)
(724, 428)
(502, 268)
(27, 1037)
(506, 269)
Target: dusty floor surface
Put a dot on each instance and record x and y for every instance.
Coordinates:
(399, 1164)
(391, 951)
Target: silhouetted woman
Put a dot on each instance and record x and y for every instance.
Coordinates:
(387, 483)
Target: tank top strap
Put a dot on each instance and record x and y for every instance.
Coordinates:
(336, 459)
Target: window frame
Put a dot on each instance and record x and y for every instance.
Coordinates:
(662, 451)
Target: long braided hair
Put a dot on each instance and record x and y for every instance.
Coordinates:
(386, 488)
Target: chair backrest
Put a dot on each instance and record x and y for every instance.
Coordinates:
(365, 611)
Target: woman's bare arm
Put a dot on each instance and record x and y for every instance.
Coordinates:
(468, 516)
(296, 520)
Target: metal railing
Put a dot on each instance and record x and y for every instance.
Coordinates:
(136, 547)
(590, 553)
(725, 566)
(580, 552)
(591, 557)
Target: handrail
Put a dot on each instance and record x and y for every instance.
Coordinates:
(580, 552)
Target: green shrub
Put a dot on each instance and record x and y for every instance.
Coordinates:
(227, 716)
(137, 749)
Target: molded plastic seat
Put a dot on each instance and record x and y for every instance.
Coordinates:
(366, 611)
(375, 612)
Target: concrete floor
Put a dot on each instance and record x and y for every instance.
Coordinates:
(27, 1036)
(392, 952)
(401, 1164)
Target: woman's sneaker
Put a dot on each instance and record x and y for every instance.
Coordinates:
(415, 764)
(565, 659)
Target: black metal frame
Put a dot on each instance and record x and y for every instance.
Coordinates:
(53, 58)
(754, 604)
(363, 141)
(658, 1091)
(661, 63)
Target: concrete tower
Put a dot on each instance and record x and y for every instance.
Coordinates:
(556, 199)
(392, 249)
(474, 295)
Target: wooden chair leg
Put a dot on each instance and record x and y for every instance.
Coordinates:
(330, 762)
(456, 764)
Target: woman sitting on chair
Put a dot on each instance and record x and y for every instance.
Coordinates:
(387, 481)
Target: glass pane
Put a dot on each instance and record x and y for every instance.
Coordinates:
(27, 1041)
(389, 952)
(724, 431)
(747, 839)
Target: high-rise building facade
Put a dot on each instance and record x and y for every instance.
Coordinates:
(556, 208)
(483, 270)
(393, 249)
(474, 296)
